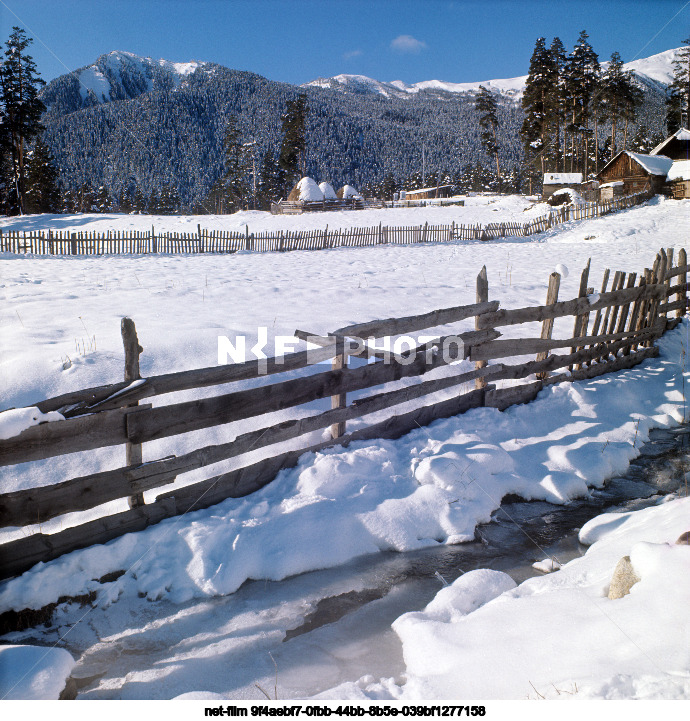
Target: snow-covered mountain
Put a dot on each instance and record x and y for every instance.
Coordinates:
(654, 71)
(118, 75)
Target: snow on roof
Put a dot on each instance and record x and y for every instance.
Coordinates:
(680, 134)
(653, 164)
(611, 184)
(427, 190)
(562, 178)
(680, 170)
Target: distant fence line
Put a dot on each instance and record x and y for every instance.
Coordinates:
(50, 242)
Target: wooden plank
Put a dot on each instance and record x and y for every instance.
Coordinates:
(569, 307)
(556, 361)
(612, 366)
(207, 412)
(69, 436)
(397, 326)
(503, 398)
(37, 505)
(526, 346)
(482, 298)
(547, 325)
(19, 556)
(112, 396)
(682, 269)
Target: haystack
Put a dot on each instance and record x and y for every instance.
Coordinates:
(306, 190)
(347, 191)
(328, 191)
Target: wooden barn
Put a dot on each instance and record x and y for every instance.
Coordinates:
(638, 173)
(438, 191)
(558, 181)
(676, 147)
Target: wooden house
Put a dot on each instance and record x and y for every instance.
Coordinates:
(558, 181)
(676, 147)
(638, 173)
(438, 191)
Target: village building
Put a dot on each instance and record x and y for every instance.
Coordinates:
(639, 173)
(559, 181)
(438, 191)
(676, 147)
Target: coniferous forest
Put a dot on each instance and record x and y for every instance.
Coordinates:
(138, 136)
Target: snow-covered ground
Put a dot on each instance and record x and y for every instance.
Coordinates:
(61, 331)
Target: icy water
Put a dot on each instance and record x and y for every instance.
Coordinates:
(306, 634)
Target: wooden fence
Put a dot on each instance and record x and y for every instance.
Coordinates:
(221, 241)
(613, 329)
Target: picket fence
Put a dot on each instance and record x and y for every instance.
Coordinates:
(52, 242)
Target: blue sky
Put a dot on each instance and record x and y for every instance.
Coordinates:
(299, 40)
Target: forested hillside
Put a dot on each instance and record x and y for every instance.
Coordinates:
(129, 129)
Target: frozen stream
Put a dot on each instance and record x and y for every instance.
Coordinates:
(306, 634)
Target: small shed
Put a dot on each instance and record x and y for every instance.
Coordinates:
(611, 191)
(676, 147)
(639, 173)
(679, 178)
(558, 181)
(437, 191)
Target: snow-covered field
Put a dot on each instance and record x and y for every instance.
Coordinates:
(61, 331)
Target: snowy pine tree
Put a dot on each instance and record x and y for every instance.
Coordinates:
(292, 149)
(42, 194)
(678, 102)
(21, 111)
(486, 105)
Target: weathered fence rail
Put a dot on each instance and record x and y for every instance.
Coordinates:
(613, 329)
(221, 241)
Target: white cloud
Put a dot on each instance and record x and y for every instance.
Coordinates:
(352, 54)
(407, 44)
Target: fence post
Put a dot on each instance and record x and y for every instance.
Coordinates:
(132, 351)
(482, 297)
(154, 244)
(547, 325)
(683, 282)
(339, 400)
(73, 244)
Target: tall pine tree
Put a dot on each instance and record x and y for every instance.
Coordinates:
(41, 194)
(539, 104)
(21, 111)
(486, 106)
(291, 159)
(678, 101)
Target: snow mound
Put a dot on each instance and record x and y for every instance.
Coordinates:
(33, 672)
(347, 191)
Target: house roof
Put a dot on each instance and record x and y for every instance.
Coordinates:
(680, 170)
(562, 178)
(680, 134)
(653, 164)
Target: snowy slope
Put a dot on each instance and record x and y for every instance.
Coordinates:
(392, 495)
